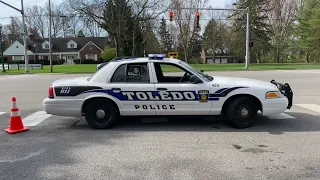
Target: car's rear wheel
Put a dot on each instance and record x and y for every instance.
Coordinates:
(101, 113)
(242, 112)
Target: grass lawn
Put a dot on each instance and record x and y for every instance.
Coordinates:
(91, 68)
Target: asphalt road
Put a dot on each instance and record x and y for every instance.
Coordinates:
(281, 147)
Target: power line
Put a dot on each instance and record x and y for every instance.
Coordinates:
(80, 16)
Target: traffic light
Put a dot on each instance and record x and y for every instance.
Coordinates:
(171, 15)
(197, 19)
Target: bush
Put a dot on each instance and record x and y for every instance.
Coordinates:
(86, 61)
(40, 61)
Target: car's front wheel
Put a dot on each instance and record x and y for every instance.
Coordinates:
(242, 112)
(101, 113)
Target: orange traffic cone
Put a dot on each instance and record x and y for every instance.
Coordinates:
(16, 124)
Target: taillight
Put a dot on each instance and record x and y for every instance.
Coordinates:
(50, 93)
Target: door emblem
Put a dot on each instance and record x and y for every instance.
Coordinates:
(203, 95)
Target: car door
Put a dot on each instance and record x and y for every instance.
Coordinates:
(176, 97)
(130, 84)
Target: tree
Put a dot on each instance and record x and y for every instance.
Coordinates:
(81, 34)
(259, 28)
(111, 16)
(36, 19)
(13, 30)
(185, 21)
(307, 28)
(164, 34)
(281, 18)
(211, 37)
(108, 53)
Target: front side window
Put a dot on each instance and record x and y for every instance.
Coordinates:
(163, 76)
(133, 72)
(205, 76)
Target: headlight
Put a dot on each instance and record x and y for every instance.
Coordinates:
(273, 94)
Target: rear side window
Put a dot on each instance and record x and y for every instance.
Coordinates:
(133, 72)
(119, 74)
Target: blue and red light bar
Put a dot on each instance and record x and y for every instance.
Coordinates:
(156, 56)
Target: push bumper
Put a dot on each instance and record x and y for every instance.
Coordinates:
(285, 90)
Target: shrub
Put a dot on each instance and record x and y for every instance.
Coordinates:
(40, 61)
(86, 61)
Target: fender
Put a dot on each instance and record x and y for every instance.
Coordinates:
(90, 95)
(258, 93)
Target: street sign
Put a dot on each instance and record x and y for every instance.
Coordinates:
(173, 54)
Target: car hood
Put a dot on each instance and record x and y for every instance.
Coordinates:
(71, 81)
(247, 82)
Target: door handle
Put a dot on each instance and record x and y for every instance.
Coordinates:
(116, 89)
(162, 89)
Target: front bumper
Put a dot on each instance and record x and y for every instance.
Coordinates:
(285, 90)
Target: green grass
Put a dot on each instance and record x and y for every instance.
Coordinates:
(91, 68)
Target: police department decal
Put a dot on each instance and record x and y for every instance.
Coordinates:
(203, 95)
(159, 96)
(65, 90)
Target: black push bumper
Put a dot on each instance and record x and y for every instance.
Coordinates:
(285, 90)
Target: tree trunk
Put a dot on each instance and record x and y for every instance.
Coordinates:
(278, 54)
(133, 40)
(117, 47)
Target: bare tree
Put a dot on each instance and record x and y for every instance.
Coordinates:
(281, 18)
(13, 30)
(36, 19)
(184, 19)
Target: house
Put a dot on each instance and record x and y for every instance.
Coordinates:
(221, 56)
(62, 48)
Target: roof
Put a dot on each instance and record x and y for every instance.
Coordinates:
(60, 44)
(145, 59)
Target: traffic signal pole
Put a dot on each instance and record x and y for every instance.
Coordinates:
(247, 26)
(24, 32)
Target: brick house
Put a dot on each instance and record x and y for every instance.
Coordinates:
(62, 48)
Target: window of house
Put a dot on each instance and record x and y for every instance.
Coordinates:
(71, 45)
(46, 46)
(44, 57)
(91, 56)
(134, 72)
(18, 58)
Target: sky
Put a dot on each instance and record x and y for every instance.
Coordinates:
(6, 11)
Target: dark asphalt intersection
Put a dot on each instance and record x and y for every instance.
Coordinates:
(67, 148)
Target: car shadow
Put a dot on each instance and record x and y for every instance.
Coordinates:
(301, 122)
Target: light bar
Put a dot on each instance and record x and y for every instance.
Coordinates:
(156, 56)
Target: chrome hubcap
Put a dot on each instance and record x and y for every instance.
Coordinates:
(100, 113)
(244, 112)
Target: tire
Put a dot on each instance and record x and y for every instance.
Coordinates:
(242, 112)
(107, 111)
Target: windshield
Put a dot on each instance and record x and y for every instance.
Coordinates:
(203, 75)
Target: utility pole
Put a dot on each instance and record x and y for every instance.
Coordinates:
(24, 32)
(247, 39)
(2, 58)
(50, 46)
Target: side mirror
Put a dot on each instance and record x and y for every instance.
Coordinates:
(194, 79)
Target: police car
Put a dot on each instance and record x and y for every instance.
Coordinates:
(142, 87)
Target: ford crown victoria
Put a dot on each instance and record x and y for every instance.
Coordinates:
(142, 87)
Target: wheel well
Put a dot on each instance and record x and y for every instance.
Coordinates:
(234, 97)
(86, 102)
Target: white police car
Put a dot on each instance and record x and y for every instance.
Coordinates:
(140, 87)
